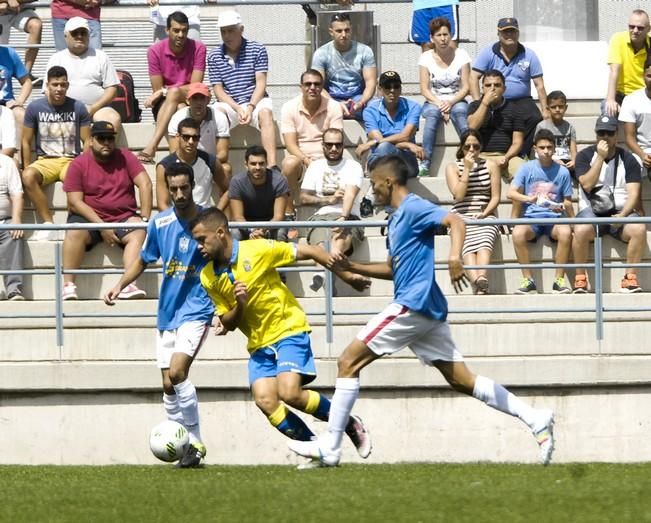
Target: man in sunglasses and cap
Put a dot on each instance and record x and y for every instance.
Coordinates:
(606, 164)
(99, 186)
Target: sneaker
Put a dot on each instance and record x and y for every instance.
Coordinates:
(423, 169)
(45, 235)
(317, 282)
(360, 436)
(559, 287)
(131, 292)
(193, 455)
(15, 296)
(69, 291)
(580, 284)
(630, 284)
(545, 437)
(36, 81)
(366, 208)
(312, 449)
(527, 286)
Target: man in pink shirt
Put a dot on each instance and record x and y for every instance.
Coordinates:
(64, 10)
(174, 64)
(100, 189)
(303, 121)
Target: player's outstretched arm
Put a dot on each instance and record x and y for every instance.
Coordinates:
(321, 256)
(380, 271)
(130, 275)
(455, 261)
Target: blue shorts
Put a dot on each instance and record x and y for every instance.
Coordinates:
(542, 230)
(419, 31)
(291, 354)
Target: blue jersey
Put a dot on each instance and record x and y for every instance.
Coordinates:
(181, 297)
(411, 247)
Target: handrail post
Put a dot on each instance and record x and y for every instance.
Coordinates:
(58, 297)
(598, 290)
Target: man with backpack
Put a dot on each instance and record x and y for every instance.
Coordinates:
(92, 77)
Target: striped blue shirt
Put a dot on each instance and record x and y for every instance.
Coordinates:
(238, 77)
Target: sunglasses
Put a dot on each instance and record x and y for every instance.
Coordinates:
(312, 84)
(638, 27)
(78, 32)
(189, 137)
(105, 138)
(606, 133)
(330, 145)
(473, 146)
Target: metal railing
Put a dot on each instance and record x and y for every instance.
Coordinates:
(329, 312)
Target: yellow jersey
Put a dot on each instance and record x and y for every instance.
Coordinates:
(272, 312)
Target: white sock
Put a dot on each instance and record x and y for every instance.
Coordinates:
(172, 409)
(496, 396)
(341, 405)
(189, 405)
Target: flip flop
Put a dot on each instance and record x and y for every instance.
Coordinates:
(145, 157)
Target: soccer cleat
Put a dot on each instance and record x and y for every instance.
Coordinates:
(527, 286)
(580, 284)
(630, 284)
(360, 436)
(560, 287)
(310, 464)
(545, 437)
(313, 450)
(131, 292)
(193, 455)
(69, 291)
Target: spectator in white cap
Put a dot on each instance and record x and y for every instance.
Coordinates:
(91, 75)
(64, 10)
(237, 70)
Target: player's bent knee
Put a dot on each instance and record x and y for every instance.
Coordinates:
(177, 375)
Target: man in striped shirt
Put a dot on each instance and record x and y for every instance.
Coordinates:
(237, 70)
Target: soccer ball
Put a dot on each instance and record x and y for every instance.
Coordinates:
(168, 441)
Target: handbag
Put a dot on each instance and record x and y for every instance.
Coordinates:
(602, 200)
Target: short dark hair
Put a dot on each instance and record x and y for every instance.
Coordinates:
(544, 134)
(179, 169)
(493, 73)
(340, 132)
(557, 95)
(188, 123)
(398, 167)
(255, 150)
(436, 24)
(56, 71)
(211, 217)
(179, 17)
(339, 17)
(311, 72)
(464, 137)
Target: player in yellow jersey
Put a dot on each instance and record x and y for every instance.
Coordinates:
(247, 291)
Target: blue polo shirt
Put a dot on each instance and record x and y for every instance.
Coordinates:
(377, 118)
(410, 240)
(518, 72)
(238, 76)
(181, 298)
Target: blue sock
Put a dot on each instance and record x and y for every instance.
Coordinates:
(318, 405)
(290, 424)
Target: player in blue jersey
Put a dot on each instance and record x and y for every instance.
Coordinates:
(185, 311)
(416, 317)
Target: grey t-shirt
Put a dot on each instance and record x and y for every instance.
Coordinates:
(563, 133)
(258, 200)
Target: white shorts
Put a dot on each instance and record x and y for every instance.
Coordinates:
(396, 327)
(233, 120)
(188, 339)
(18, 21)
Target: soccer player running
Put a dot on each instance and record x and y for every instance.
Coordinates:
(242, 280)
(416, 317)
(185, 311)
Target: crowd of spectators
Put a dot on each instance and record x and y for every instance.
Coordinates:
(504, 134)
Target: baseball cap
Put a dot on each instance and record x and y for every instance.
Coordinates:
(606, 123)
(507, 23)
(102, 128)
(389, 78)
(76, 22)
(198, 88)
(228, 18)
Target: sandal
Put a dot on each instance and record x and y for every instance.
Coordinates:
(481, 285)
(144, 157)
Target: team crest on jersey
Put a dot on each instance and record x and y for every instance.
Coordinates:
(524, 64)
(184, 243)
(247, 265)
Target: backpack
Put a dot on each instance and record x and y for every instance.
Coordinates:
(125, 101)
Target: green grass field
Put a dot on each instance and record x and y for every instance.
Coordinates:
(383, 493)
